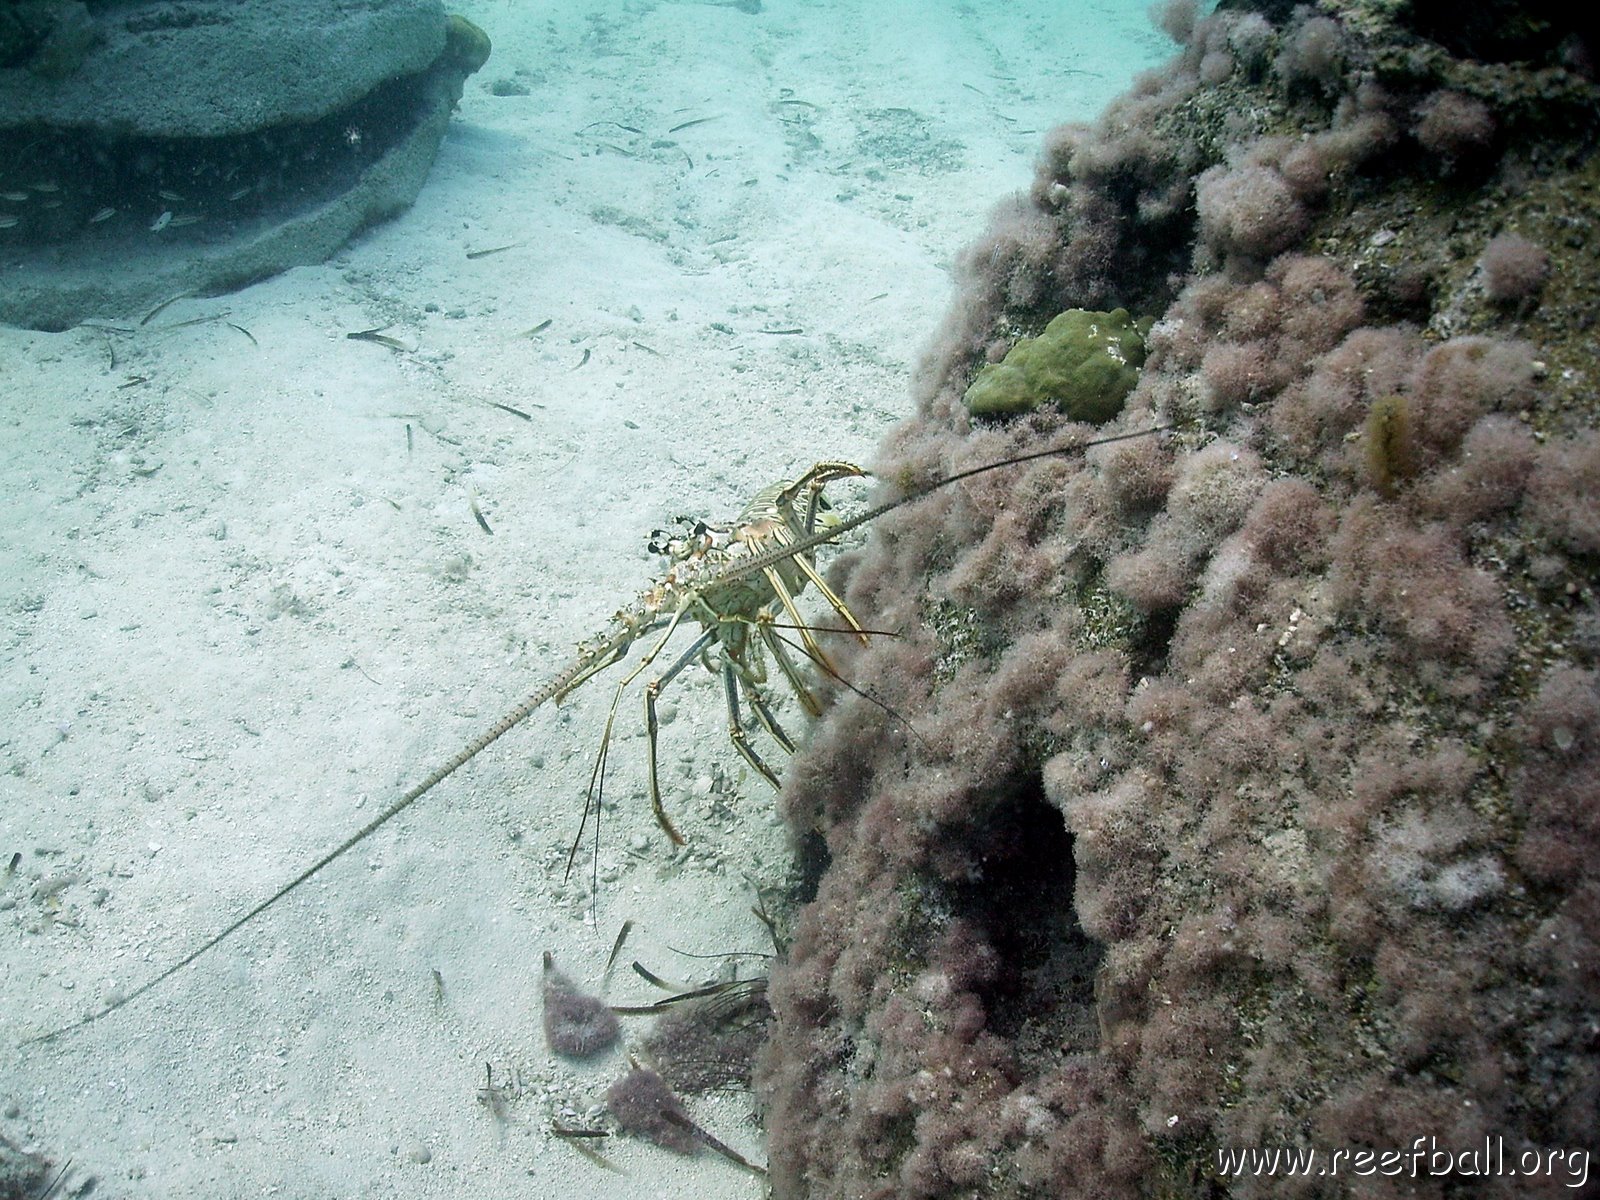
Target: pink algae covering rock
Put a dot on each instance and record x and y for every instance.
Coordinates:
(1241, 784)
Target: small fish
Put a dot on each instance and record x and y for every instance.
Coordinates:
(184, 219)
(105, 214)
(14, 197)
(161, 222)
(492, 250)
(618, 124)
(45, 187)
(150, 316)
(7, 221)
(690, 124)
(239, 193)
(477, 515)
(377, 335)
(170, 197)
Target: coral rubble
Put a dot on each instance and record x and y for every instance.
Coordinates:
(1237, 787)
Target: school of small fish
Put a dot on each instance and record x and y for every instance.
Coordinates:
(45, 195)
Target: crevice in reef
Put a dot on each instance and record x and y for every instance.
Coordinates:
(812, 861)
(1501, 31)
(1020, 899)
(1151, 641)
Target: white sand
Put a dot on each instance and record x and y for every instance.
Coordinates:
(240, 615)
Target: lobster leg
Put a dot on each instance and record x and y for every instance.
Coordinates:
(780, 655)
(811, 483)
(652, 726)
(736, 734)
(764, 714)
(786, 599)
(832, 597)
(597, 777)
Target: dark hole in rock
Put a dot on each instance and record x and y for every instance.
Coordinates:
(812, 861)
(1151, 640)
(1021, 899)
(1503, 31)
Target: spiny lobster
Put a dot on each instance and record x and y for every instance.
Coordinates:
(735, 582)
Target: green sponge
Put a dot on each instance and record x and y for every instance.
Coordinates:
(1084, 364)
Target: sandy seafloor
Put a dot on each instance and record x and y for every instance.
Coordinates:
(240, 613)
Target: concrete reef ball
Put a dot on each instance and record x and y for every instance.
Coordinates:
(205, 144)
(466, 44)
